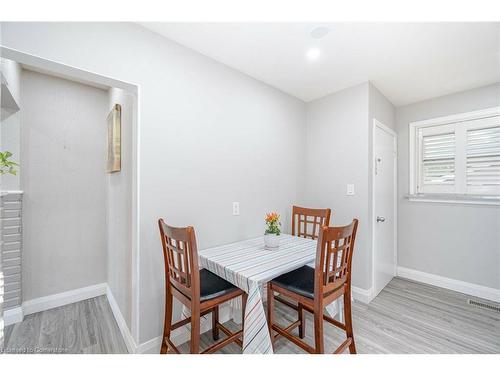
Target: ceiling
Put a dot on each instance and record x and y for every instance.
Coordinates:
(408, 62)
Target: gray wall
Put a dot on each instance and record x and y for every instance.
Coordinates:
(380, 108)
(119, 210)
(208, 136)
(337, 150)
(452, 240)
(64, 180)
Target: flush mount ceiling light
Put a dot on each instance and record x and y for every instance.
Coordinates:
(313, 53)
(319, 32)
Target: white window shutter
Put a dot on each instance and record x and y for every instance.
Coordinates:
(457, 156)
(438, 159)
(483, 160)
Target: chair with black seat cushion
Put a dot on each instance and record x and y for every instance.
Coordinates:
(306, 223)
(315, 288)
(200, 290)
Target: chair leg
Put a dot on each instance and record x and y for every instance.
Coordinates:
(215, 321)
(348, 320)
(167, 322)
(302, 319)
(270, 309)
(318, 331)
(195, 331)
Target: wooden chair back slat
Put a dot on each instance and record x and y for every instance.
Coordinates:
(307, 222)
(181, 258)
(334, 257)
(182, 281)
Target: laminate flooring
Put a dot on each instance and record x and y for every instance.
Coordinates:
(406, 317)
(83, 327)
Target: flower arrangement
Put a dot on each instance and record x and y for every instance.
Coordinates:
(273, 223)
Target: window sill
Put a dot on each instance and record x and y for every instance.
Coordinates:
(455, 199)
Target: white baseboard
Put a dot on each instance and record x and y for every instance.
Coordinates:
(181, 335)
(150, 347)
(452, 284)
(362, 295)
(120, 320)
(32, 306)
(13, 316)
(61, 299)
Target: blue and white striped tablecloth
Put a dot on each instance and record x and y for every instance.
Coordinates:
(248, 264)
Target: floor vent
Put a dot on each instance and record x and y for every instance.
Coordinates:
(484, 305)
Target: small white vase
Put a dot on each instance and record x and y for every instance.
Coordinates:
(271, 241)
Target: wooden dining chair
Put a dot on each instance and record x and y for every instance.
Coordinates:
(307, 222)
(200, 290)
(315, 288)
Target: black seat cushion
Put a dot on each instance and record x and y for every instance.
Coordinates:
(212, 286)
(300, 281)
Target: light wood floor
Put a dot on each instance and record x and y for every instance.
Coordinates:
(83, 327)
(406, 317)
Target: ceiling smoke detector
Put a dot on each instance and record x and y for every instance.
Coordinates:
(319, 32)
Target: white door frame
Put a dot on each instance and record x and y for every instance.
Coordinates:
(378, 124)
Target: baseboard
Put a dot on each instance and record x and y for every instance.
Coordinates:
(180, 336)
(13, 316)
(452, 284)
(32, 306)
(60, 299)
(362, 295)
(150, 347)
(120, 320)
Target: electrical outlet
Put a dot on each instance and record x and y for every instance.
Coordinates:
(350, 189)
(236, 208)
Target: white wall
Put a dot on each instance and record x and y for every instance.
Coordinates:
(206, 132)
(337, 145)
(64, 182)
(11, 123)
(119, 210)
(11, 71)
(457, 241)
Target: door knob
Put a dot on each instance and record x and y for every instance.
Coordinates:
(380, 219)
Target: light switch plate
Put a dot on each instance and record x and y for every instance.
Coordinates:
(236, 208)
(350, 189)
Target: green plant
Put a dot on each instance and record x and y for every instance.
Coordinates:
(6, 165)
(273, 223)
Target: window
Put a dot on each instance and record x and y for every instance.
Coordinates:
(458, 155)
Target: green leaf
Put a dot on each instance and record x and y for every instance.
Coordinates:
(6, 165)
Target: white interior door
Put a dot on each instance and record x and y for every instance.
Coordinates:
(384, 206)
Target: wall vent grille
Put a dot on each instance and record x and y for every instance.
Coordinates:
(484, 305)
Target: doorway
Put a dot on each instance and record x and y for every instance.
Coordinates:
(116, 208)
(384, 205)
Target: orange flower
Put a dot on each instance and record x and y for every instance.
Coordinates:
(272, 217)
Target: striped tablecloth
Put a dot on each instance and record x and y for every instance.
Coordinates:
(248, 265)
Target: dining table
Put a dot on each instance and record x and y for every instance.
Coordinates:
(249, 265)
